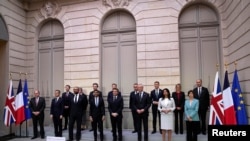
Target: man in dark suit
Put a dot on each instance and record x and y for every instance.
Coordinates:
(155, 95)
(97, 114)
(66, 96)
(133, 111)
(37, 106)
(202, 94)
(77, 104)
(56, 113)
(179, 99)
(110, 93)
(141, 104)
(91, 96)
(115, 107)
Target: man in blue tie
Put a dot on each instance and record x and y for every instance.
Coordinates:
(97, 113)
(155, 95)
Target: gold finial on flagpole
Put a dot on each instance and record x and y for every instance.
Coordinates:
(235, 65)
(26, 75)
(226, 65)
(217, 67)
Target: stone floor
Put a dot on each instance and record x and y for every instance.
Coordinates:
(88, 136)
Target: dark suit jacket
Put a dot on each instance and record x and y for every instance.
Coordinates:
(181, 101)
(131, 99)
(66, 99)
(56, 108)
(76, 109)
(110, 95)
(85, 101)
(91, 95)
(115, 106)
(39, 107)
(97, 111)
(154, 97)
(143, 103)
(203, 98)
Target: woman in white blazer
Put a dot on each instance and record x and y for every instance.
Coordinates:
(166, 107)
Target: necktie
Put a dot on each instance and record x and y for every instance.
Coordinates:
(140, 96)
(75, 98)
(199, 91)
(96, 102)
(37, 101)
(156, 93)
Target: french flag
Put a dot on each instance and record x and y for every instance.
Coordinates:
(20, 114)
(229, 111)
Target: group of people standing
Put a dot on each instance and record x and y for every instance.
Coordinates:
(172, 109)
(168, 108)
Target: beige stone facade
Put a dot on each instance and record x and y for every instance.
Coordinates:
(157, 42)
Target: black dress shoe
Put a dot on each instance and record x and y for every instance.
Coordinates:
(153, 132)
(64, 128)
(42, 137)
(204, 133)
(134, 131)
(90, 130)
(33, 137)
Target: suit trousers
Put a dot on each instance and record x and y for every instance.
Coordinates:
(192, 127)
(142, 119)
(72, 119)
(178, 115)
(155, 114)
(66, 117)
(38, 119)
(57, 126)
(202, 126)
(97, 122)
(134, 114)
(116, 124)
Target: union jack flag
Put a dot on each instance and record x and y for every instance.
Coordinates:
(9, 109)
(216, 116)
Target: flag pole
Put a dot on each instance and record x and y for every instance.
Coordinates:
(20, 126)
(10, 124)
(25, 107)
